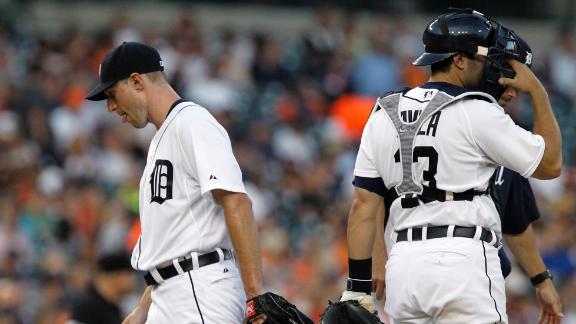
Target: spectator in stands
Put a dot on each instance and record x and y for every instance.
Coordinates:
(100, 304)
(376, 73)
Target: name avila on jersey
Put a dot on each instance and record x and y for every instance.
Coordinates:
(161, 181)
(432, 125)
(430, 130)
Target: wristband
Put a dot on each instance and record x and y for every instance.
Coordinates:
(541, 277)
(357, 285)
(360, 279)
(360, 269)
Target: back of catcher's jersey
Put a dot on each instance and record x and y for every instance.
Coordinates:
(456, 149)
(189, 156)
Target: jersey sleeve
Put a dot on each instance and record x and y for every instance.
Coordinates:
(208, 154)
(519, 208)
(502, 141)
(365, 162)
(366, 175)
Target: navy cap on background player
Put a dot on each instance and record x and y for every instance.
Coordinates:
(119, 261)
(128, 58)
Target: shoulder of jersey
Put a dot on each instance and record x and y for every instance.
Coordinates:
(479, 102)
(193, 111)
(377, 107)
(473, 100)
(194, 117)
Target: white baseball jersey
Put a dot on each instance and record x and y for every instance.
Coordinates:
(456, 149)
(189, 156)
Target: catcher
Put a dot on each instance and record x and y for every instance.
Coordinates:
(428, 154)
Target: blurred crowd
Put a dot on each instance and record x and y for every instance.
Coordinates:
(294, 109)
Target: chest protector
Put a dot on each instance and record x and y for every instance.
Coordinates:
(409, 190)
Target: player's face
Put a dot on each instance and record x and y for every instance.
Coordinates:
(507, 96)
(122, 100)
(124, 282)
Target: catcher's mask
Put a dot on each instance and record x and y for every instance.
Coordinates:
(469, 31)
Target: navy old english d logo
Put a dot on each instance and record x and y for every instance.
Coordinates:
(161, 181)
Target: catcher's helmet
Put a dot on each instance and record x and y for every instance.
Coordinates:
(471, 32)
(456, 32)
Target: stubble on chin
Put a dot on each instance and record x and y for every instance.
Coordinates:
(140, 125)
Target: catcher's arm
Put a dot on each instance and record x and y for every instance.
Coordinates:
(356, 304)
(362, 222)
(544, 122)
(379, 256)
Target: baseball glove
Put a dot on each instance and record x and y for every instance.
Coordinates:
(348, 312)
(277, 310)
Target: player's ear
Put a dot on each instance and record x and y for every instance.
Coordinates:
(459, 61)
(136, 81)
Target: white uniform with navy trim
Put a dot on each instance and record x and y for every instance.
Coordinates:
(446, 280)
(189, 156)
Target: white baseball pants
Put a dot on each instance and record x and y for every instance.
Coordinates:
(445, 280)
(212, 294)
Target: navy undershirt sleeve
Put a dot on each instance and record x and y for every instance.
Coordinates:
(518, 204)
(505, 265)
(375, 185)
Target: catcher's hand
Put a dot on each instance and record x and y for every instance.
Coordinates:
(347, 312)
(277, 310)
(365, 300)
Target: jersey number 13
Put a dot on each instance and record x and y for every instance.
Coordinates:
(424, 152)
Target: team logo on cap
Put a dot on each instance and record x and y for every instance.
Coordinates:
(528, 58)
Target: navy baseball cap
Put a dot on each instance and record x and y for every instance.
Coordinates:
(128, 58)
(112, 262)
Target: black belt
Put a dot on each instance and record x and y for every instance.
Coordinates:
(187, 265)
(442, 231)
